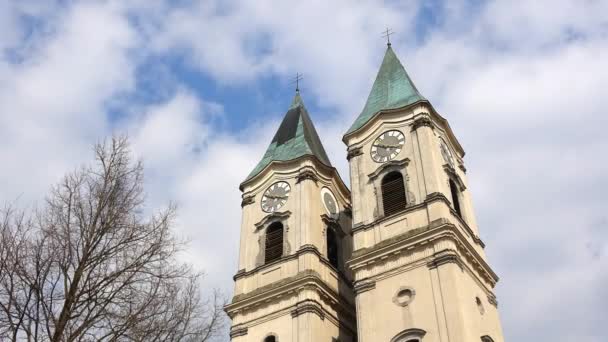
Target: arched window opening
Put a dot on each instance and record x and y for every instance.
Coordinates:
(274, 242)
(270, 338)
(455, 199)
(332, 247)
(393, 193)
(486, 338)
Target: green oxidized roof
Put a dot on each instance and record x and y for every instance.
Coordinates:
(296, 137)
(392, 89)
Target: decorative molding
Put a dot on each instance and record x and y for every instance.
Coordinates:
(291, 287)
(492, 300)
(239, 274)
(362, 226)
(409, 334)
(333, 223)
(364, 285)
(272, 217)
(422, 120)
(461, 166)
(447, 256)
(381, 257)
(449, 169)
(308, 306)
(437, 196)
(308, 248)
(250, 199)
(237, 331)
(387, 167)
(353, 152)
(307, 174)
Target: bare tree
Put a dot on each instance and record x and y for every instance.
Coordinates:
(90, 266)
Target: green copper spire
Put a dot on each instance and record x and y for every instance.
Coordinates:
(296, 137)
(392, 89)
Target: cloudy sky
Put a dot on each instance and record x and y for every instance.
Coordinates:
(200, 88)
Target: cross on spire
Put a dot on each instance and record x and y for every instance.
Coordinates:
(297, 80)
(387, 34)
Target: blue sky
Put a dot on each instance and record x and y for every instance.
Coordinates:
(200, 87)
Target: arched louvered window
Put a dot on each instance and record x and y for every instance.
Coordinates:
(393, 193)
(332, 247)
(274, 242)
(455, 198)
(270, 338)
(486, 338)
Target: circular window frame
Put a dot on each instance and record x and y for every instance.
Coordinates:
(400, 302)
(326, 190)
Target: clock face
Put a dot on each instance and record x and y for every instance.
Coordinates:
(387, 146)
(275, 197)
(446, 153)
(329, 201)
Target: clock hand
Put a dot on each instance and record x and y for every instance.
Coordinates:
(276, 197)
(386, 146)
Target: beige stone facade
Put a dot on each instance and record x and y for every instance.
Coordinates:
(422, 270)
(410, 265)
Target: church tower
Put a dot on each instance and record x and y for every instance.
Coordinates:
(419, 267)
(292, 283)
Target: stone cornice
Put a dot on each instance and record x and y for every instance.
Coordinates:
(353, 152)
(422, 120)
(303, 250)
(287, 287)
(360, 226)
(237, 331)
(307, 174)
(249, 199)
(435, 196)
(308, 306)
(436, 230)
(321, 170)
(364, 285)
(492, 300)
(445, 257)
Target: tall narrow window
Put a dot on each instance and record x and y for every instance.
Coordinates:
(393, 193)
(270, 339)
(332, 247)
(274, 242)
(455, 200)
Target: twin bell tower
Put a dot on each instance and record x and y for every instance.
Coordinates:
(395, 258)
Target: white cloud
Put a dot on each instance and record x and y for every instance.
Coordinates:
(521, 83)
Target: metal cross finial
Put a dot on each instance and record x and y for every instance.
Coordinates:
(297, 80)
(387, 34)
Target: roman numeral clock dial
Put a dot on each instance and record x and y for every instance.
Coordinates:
(275, 197)
(387, 146)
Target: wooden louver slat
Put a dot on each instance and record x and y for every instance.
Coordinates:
(393, 193)
(274, 242)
